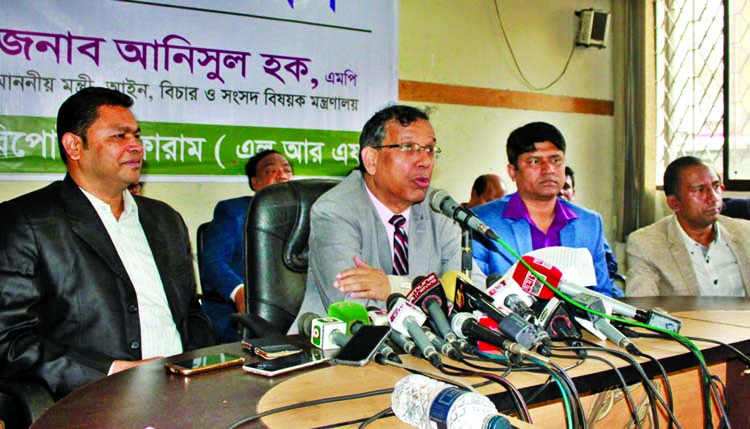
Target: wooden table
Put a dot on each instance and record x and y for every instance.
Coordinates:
(148, 396)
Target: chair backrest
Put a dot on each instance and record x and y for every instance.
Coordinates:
(276, 249)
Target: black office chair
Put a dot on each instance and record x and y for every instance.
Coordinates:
(22, 402)
(276, 255)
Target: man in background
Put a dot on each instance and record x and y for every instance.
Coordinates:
(94, 279)
(534, 217)
(222, 266)
(486, 188)
(695, 251)
(374, 232)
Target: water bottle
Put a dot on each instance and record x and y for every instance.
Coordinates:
(427, 403)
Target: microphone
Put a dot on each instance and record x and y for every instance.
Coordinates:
(405, 344)
(445, 348)
(349, 312)
(427, 293)
(465, 325)
(441, 202)
(555, 318)
(466, 297)
(407, 318)
(326, 333)
(529, 283)
(506, 292)
(603, 325)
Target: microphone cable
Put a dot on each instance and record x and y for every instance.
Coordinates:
(623, 384)
(571, 400)
(646, 381)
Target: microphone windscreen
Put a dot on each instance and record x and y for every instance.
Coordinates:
(349, 312)
(304, 323)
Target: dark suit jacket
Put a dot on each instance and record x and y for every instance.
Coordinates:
(67, 306)
(222, 264)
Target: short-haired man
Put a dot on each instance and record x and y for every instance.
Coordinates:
(374, 232)
(222, 267)
(696, 251)
(568, 190)
(534, 217)
(94, 279)
(486, 188)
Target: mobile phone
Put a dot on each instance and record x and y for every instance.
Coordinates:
(363, 345)
(204, 363)
(288, 363)
(270, 347)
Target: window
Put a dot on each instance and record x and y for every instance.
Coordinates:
(703, 98)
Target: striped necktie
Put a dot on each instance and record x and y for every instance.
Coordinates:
(400, 246)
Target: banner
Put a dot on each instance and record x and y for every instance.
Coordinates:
(213, 82)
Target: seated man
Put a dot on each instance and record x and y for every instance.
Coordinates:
(374, 232)
(534, 217)
(486, 188)
(94, 279)
(696, 251)
(222, 265)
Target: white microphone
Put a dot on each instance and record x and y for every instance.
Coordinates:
(441, 202)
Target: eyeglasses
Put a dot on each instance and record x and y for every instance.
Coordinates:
(413, 148)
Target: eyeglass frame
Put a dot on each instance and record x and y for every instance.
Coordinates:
(429, 150)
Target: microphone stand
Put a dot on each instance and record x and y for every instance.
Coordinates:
(466, 257)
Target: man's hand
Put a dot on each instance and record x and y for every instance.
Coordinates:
(122, 365)
(363, 281)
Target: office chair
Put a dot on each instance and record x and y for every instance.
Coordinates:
(22, 402)
(276, 255)
(205, 295)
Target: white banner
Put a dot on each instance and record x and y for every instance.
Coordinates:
(275, 66)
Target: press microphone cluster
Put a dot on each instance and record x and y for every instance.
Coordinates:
(467, 297)
(427, 293)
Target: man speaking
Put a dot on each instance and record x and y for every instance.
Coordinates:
(374, 232)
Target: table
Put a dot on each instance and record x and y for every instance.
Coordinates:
(147, 396)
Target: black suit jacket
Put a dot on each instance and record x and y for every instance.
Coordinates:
(67, 306)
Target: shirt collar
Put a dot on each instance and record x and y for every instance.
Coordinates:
(103, 208)
(516, 209)
(689, 240)
(384, 212)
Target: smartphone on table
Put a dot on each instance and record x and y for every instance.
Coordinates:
(363, 345)
(204, 363)
(288, 363)
(270, 347)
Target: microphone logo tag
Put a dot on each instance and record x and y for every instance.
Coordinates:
(421, 288)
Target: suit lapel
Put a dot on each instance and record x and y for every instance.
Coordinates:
(682, 261)
(86, 223)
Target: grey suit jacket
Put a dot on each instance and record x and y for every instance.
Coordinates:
(659, 263)
(345, 223)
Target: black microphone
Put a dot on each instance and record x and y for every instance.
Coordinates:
(466, 325)
(441, 202)
(427, 293)
(468, 297)
(407, 318)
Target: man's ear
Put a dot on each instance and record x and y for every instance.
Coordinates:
(673, 202)
(254, 181)
(73, 145)
(512, 172)
(370, 160)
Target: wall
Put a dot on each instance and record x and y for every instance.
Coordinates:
(460, 43)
